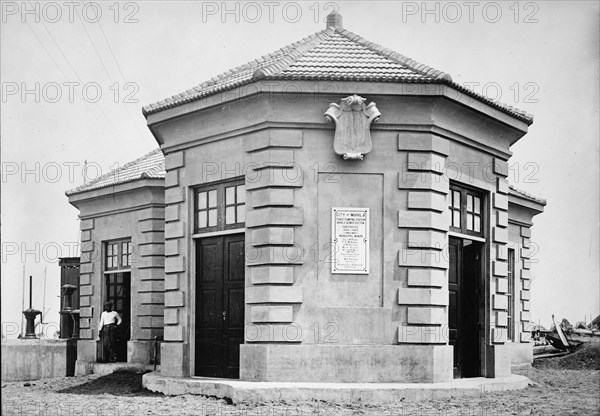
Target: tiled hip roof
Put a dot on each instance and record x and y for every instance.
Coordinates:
(334, 54)
(151, 165)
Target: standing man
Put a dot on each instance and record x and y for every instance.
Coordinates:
(106, 330)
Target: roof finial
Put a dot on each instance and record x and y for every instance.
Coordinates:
(335, 21)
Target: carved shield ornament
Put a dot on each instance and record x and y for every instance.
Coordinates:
(352, 120)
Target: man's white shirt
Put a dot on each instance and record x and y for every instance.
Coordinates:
(109, 318)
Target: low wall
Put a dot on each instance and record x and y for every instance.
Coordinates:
(33, 359)
(521, 353)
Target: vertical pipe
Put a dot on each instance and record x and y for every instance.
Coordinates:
(23, 303)
(30, 289)
(44, 300)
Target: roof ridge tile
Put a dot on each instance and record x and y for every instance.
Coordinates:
(390, 54)
(302, 46)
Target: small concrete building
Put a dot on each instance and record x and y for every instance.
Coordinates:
(330, 212)
(122, 257)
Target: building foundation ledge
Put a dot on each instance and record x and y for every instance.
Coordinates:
(376, 393)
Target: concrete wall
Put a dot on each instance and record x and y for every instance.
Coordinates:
(135, 211)
(36, 359)
(284, 149)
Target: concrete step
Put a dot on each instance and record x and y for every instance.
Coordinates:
(373, 393)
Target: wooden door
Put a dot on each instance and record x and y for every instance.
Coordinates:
(219, 305)
(464, 305)
(455, 255)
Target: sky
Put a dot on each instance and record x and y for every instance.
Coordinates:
(74, 76)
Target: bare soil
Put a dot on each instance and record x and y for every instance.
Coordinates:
(568, 385)
(586, 356)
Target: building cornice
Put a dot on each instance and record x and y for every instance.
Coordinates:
(323, 88)
(111, 191)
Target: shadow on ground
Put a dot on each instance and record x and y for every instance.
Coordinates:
(119, 383)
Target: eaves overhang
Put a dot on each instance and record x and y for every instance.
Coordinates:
(519, 197)
(110, 191)
(341, 88)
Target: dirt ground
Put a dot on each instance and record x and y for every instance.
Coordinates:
(568, 385)
(587, 356)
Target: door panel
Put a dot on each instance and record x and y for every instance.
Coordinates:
(454, 251)
(219, 305)
(235, 258)
(208, 302)
(470, 308)
(235, 309)
(463, 311)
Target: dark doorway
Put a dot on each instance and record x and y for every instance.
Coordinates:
(464, 308)
(118, 291)
(219, 305)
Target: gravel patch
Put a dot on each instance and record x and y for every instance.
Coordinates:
(553, 391)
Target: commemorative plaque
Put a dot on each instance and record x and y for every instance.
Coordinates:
(350, 240)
